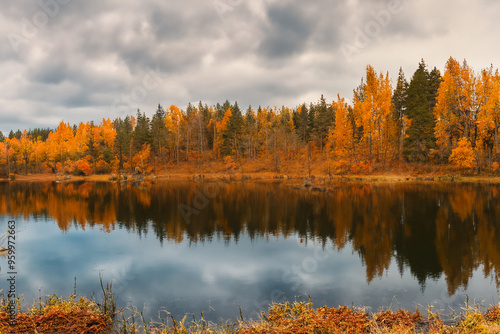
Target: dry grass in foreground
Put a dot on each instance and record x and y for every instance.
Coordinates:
(84, 316)
(57, 315)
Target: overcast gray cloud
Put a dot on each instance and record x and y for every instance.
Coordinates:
(84, 60)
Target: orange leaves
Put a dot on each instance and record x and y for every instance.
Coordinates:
(60, 143)
(84, 166)
(223, 125)
(341, 138)
(3, 153)
(81, 137)
(463, 155)
(173, 122)
(468, 106)
(457, 104)
(108, 133)
(488, 118)
(372, 107)
(102, 167)
(140, 160)
(229, 162)
(222, 128)
(173, 119)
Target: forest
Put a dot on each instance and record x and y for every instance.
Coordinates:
(449, 120)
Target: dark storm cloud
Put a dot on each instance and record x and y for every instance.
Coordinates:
(287, 32)
(51, 73)
(78, 60)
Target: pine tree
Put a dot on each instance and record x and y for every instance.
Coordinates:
(16, 134)
(224, 139)
(38, 132)
(251, 131)
(300, 119)
(399, 101)
(324, 121)
(420, 134)
(434, 82)
(235, 128)
(123, 140)
(159, 133)
(142, 131)
(311, 124)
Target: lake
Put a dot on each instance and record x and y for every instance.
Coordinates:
(187, 248)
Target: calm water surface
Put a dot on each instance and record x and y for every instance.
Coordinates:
(188, 248)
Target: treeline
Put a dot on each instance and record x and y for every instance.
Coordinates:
(433, 118)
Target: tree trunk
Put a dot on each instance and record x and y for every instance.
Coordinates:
(235, 146)
(177, 151)
(496, 138)
(8, 160)
(187, 145)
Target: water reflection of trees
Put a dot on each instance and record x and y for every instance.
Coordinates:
(432, 229)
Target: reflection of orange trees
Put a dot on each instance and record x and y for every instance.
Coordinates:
(65, 203)
(457, 233)
(342, 216)
(488, 234)
(467, 234)
(142, 196)
(376, 223)
(455, 249)
(463, 202)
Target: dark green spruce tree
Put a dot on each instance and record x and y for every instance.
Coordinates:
(142, 131)
(123, 139)
(235, 128)
(420, 103)
(250, 130)
(300, 120)
(159, 133)
(324, 120)
(311, 123)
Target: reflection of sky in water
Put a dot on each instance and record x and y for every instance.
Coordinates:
(215, 277)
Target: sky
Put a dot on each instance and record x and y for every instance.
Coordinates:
(73, 61)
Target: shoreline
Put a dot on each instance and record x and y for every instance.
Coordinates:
(375, 178)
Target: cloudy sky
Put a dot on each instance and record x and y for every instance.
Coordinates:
(84, 60)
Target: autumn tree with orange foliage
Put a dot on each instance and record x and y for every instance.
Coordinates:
(463, 155)
(60, 146)
(141, 159)
(173, 122)
(456, 108)
(488, 118)
(222, 145)
(340, 139)
(372, 110)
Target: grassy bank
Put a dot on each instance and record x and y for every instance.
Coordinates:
(81, 315)
(321, 179)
